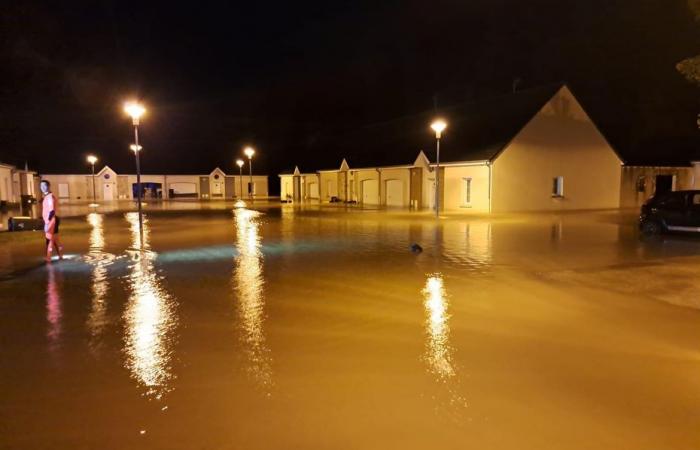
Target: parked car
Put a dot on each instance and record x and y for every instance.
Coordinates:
(671, 211)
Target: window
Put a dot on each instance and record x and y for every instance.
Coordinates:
(467, 191)
(641, 183)
(63, 190)
(558, 187)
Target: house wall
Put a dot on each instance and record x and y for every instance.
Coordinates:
(454, 193)
(286, 187)
(633, 193)
(326, 178)
(77, 186)
(560, 140)
(6, 191)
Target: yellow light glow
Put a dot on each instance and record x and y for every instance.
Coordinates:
(437, 326)
(150, 318)
(240, 162)
(92, 159)
(135, 110)
(249, 152)
(248, 285)
(100, 261)
(135, 148)
(438, 127)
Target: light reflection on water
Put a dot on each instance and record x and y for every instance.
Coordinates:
(99, 286)
(248, 285)
(438, 351)
(150, 318)
(54, 312)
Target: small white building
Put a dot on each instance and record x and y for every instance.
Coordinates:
(110, 185)
(535, 150)
(16, 182)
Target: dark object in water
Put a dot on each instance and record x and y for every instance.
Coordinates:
(20, 223)
(415, 248)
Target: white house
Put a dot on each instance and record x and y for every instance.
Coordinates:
(534, 150)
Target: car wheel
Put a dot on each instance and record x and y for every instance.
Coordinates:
(651, 228)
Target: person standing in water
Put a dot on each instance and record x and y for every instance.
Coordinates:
(49, 211)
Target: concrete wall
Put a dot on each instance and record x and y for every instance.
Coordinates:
(454, 194)
(560, 140)
(6, 190)
(638, 183)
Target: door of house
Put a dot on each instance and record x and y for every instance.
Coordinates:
(107, 191)
(394, 193)
(370, 192)
(664, 183)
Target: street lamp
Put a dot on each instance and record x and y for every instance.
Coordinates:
(240, 163)
(135, 110)
(438, 127)
(92, 159)
(249, 152)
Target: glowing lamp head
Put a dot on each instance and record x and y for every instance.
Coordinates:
(135, 110)
(92, 159)
(438, 127)
(239, 163)
(249, 152)
(135, 148)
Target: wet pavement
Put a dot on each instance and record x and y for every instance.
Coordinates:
(286, 327)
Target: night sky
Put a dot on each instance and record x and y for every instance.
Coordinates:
(292, 78)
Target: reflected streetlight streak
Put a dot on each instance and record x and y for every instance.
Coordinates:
(150, 318)
(99, 286)
(54, 312)
(438, 350)
(248, 284)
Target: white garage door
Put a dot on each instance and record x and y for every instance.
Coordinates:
(313, 190)
(370, 192)
(183, 188)
(394, 193)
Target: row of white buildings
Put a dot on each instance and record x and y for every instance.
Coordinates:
(532, 151)
(110, 185)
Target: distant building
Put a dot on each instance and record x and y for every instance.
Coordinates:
(535, 150)
(110, 185)
(16, 182)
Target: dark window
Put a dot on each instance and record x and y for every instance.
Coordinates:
(672, 202)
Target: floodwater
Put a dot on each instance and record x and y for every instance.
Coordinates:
(285, 327)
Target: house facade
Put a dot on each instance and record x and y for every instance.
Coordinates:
(16, 182)
(551, 158)
(110, 186)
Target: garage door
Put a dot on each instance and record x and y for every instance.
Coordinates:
(370, 192)
(313, 190)
(394, 193)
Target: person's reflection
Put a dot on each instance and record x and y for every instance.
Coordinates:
(54, 312)
(248, 285)
(438, 351)
(150, 318)
(99, 286)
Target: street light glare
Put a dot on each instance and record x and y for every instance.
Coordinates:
(134, 109)
(438, 126)
(249, 152)
(92, 159)
(239, 162)
(135, 148)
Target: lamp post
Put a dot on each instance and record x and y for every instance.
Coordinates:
(135, 111)
(438, 127)
(249, 152)
(240, 163)
(92, 159)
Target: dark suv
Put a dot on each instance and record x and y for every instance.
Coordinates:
(671, 211)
